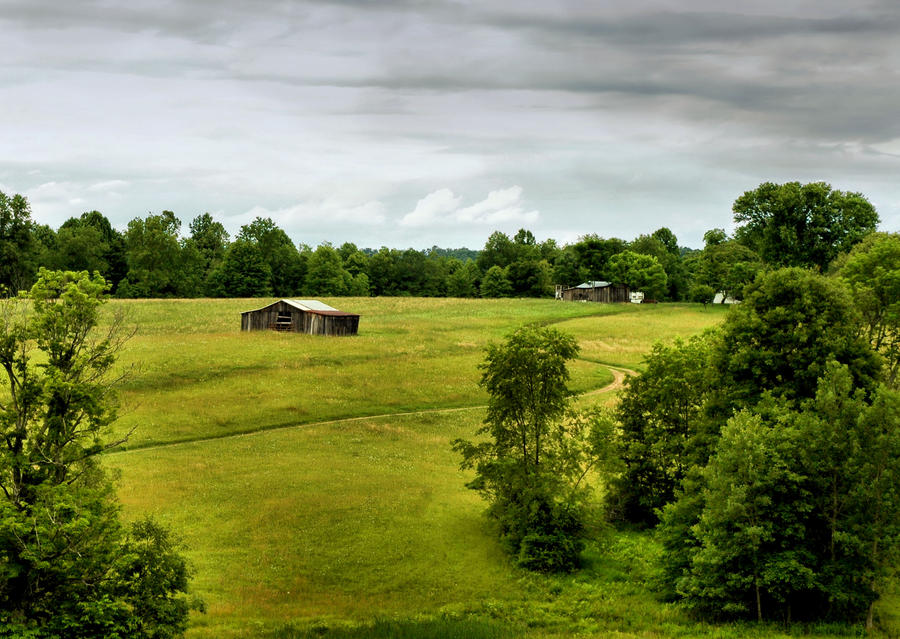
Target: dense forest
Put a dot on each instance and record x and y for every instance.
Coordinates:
(777, 225)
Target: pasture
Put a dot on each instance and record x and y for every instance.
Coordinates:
(312, 482)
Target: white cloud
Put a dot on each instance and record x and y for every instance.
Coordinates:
(442, 207)
(326, 213)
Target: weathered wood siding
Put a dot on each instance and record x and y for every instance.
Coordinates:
(281, 316)
(606, 294)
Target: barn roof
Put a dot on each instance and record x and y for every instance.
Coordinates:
(309, 306)
(592, 284)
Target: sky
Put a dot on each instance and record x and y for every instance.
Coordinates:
(414, 123)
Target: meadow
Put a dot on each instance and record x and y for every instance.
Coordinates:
(312, 482)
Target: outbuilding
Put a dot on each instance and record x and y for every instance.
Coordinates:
(300, 316)
(595, 291)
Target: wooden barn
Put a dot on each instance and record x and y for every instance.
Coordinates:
(595, 292)
(300, 316)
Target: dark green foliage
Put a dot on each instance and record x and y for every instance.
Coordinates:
(531, 466)
(16, 246)
(242, 273)
(800, 509)
(153, 254)
(872, 271)
(495, 283)
(725, 266)
(638, 272)
(791, 324)
(286, 266)
(69, 568)
(802, 225)
(661, 417)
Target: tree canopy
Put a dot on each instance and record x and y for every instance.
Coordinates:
(802, 225)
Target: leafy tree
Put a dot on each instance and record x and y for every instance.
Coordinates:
(872, 271)
(593, 254)
(662, 426)
(69, 566)
(287, 270)
(499, 250)
(463, 280)
(153, 253)
(495, 283)
(791, 324)
(529, 278)
(531, 466)
(566, 270)
(325, 274)
(799, 516)
(726, 266)
(16, 268)
(802, 225)
(210, 239)
(668, 239)
(638, 272)
(243, 272)
(669, 257)
(382, 269)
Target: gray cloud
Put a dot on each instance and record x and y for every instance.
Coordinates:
(624, 116)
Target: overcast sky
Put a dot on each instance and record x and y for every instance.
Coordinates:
(418, 123)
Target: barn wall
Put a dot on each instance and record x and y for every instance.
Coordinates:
(606, 294)
(301, 321)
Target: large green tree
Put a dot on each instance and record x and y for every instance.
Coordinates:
(805, 225)
(69, 567)
(638, 272)
(532, 461)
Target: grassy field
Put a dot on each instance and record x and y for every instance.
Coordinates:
(311, 506)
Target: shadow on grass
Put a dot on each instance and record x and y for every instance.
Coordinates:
(383, 629)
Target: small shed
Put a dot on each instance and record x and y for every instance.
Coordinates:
(300, 316)
(595, 292)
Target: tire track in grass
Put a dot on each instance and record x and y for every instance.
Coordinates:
(619, 374)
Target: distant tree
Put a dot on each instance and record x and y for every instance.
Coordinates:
(287, 269)
(668, 239)
(566, 270)
(529, 278)
(16, 268)
(463, 280)
(639, 273)
(242, 273)
(802, 225)
(210, 239)
(153, 254)
(532, 462)
(726, 266)
(69, 568)
(495, 283)
(499, 250)
(326, 274)
(382, 270)
(593, 254)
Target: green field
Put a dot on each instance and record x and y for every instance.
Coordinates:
(313, 484)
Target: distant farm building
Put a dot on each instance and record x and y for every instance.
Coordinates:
(594, 292)
(300, 316)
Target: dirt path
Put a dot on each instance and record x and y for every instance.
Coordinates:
(619, 375)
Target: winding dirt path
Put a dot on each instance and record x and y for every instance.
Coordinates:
(619, 375)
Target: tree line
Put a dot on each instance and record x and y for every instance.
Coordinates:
(777, 225)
